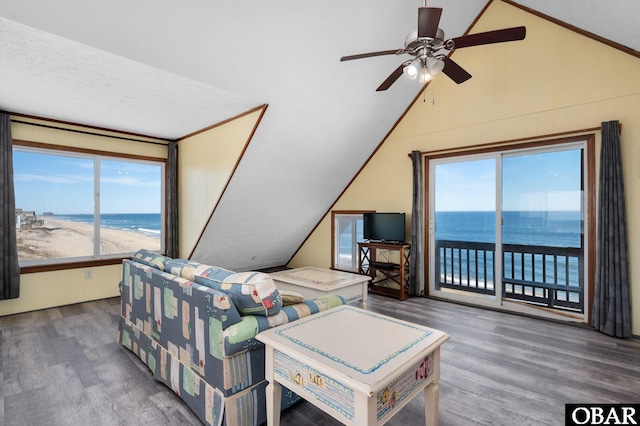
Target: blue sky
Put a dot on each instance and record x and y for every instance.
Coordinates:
(64, 185)
(545, 181)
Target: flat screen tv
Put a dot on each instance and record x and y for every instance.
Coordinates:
(384, 227)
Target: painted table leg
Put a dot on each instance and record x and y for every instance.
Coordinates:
(365, 294)
(431, 402)
(273, 391)
(274, 395)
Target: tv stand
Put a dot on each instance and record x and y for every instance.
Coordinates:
(384, 265)
(387, 278)
(384, 242)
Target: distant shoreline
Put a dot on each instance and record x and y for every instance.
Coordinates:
(59, 238)
(149, 223)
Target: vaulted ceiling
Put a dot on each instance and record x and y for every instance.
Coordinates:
(168, 69)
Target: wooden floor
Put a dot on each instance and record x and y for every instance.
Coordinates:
(62, 366)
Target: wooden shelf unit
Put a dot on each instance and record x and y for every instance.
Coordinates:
(384, 274)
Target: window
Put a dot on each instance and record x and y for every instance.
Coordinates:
(346, 233)
(73, 206)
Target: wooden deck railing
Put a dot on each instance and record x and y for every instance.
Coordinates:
(547, 276)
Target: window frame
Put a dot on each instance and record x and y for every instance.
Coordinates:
(589, 198)
(335, 241)
(95, 155)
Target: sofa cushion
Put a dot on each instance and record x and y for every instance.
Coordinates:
(189, 269)
(253, 293)
(150, 258)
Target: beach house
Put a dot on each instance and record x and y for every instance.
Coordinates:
(274, 146)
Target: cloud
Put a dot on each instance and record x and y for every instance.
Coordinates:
(59, 179)
(124, 180)
(128, 181)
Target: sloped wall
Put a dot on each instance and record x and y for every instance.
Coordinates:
(206, 162)
(552, 82)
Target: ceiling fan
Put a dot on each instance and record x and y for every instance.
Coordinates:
(430, 50)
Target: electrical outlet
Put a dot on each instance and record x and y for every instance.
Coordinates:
(88, 274)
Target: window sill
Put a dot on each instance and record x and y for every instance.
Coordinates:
(31, 269)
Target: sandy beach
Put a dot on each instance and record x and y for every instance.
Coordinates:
(60, 238)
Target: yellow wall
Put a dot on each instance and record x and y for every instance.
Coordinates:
(56, 288)
(554, 81)
(205, 164)
(48, 135)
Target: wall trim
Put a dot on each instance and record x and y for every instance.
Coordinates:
(578, 30)
(134, 137)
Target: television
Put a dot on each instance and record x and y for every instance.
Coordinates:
(384, 227)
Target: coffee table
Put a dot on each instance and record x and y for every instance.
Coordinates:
(312, 282)
(358, 366)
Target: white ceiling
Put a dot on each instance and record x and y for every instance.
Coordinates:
(164, 68)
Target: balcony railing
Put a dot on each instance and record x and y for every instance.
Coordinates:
(546, 276)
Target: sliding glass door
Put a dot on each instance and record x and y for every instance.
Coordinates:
(506, 228)
(542, 238)
(464, 225)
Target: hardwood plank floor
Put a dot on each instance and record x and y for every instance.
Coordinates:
(62, 366)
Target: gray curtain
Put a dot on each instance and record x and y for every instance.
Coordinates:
(611, 304)
(9, 267)
(416, 256)
(172, 240)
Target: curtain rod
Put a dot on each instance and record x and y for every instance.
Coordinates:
(85, 132)
(532, 138)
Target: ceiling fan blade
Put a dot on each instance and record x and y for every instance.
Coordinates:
(454, 71)
(371, 54)
(428, 20)
(489, 37)
(391, 79)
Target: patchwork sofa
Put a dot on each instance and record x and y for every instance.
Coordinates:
(194, 326)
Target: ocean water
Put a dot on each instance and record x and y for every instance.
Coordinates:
(549, 229)
(555, 229)
(148, 223)
(552, 229)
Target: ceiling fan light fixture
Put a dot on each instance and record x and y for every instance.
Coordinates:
(413, 69)
(425, 75)
(435, 65)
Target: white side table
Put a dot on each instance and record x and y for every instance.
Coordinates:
(312, 282)
(358, 366)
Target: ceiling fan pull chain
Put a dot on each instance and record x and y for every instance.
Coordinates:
(433, 94)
